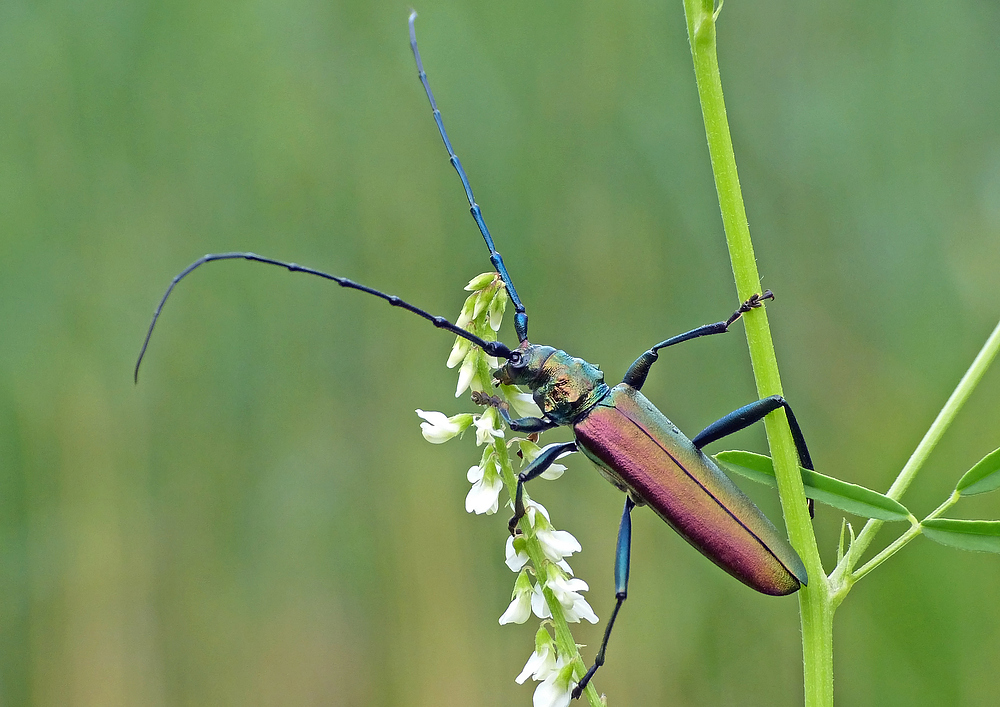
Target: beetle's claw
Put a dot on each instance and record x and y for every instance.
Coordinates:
(754, 301)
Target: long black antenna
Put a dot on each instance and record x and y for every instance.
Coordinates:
(492, 348)
(520, 316)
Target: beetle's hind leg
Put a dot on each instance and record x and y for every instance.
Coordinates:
(748, 415)
(623, 553)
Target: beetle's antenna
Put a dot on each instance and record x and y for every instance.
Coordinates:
(520, 316)
(492, 348)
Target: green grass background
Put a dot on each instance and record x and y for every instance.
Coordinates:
(259, 522)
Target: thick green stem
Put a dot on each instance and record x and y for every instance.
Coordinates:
(815, 606)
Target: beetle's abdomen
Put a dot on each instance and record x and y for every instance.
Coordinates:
(635, 444)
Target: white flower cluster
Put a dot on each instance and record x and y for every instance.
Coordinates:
(537, 590)
(556, 545)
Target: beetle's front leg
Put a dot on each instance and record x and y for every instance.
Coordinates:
(636, 374)
(623, 553)
(521, 424)
(543, 461)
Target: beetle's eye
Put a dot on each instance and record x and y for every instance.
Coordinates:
(517, 360)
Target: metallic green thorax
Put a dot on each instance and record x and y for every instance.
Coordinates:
(565, 388)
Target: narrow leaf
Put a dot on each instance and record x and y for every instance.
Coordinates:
(842, 495)
(977, 535)
(983, 477)
(749, 465)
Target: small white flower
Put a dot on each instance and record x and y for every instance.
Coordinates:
(557, 689)
(566, 591)
(465, 316)
(557, 544)
(459, 351)
(542, 662)
(517, 556)
(539, 605)
(484, 496)
(524, 405)
(482, 302)
(497, 306)
(488, 427)
(467, 372)
(530, 452)
(479, 282)
(553, 472)
(533, 509)
(520, 605)
(439, 428)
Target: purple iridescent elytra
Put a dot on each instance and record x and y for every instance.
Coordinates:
(641, 452)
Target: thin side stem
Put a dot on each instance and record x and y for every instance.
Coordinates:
(903, 539)
(815, 607)
(933, 435)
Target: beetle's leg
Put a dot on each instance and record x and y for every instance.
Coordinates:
(637, 372)
(521, 424)
(623, 552)
(748, 415)
(543, 461)
(526, 424)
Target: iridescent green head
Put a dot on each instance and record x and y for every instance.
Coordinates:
(562, 386)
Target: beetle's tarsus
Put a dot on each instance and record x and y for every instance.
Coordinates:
(753, 302)
(488, 401)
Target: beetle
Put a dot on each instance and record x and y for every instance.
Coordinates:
(632, 443)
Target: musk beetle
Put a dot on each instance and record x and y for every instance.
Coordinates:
(632, 443)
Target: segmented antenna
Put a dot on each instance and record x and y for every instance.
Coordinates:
(492, 348)
(520, 316)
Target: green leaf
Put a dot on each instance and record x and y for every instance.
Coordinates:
(844, 496)
(983, 477)
(976, 535)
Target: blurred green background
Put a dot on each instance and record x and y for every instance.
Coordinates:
(259, 522)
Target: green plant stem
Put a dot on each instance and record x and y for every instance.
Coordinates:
(815, 607)
(565, 643)
(844, 575)
(913, 531)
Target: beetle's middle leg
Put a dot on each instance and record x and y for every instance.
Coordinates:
(637, 372)
(543, 461)
(748, 415)
(623, 552)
